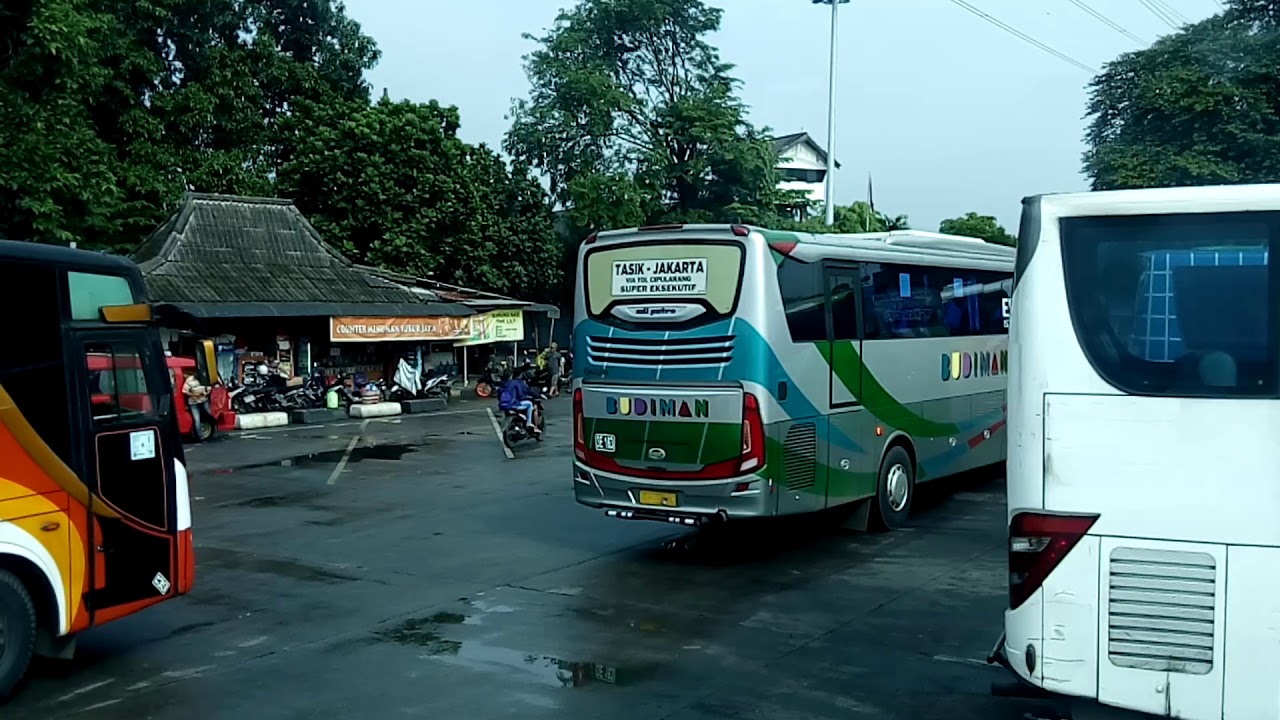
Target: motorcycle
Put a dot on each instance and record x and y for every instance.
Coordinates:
(517, 429)
(488, 382)
(436, 386)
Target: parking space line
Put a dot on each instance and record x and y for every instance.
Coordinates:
(342, 464)
(497, 430)
(962, 661)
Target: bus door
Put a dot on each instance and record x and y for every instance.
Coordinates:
(847, 428)
(125, 397)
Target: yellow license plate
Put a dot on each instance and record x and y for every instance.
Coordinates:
(649, 497)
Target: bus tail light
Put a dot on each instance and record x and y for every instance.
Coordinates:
(1038, 542)
(579, 439)
(752, 434)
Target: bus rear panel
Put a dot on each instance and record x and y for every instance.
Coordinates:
(1143, 491)
(664, 426)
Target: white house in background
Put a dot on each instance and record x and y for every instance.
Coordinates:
(803, 165)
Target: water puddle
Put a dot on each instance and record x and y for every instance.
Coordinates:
(390, 451)
(282, 567)
(427, 633)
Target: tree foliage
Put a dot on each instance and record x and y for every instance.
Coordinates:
(978, 226)
(393, 184)
(859, 217)
(1200, 106)
(114, 108)
(634, 118)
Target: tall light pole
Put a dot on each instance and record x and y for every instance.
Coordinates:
(831, 113)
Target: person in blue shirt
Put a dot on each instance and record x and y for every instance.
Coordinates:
(516, 395)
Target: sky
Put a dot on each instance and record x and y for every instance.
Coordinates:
(948, 112)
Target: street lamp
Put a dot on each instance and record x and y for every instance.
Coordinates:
(831, 114)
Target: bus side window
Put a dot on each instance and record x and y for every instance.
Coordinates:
(844, 307)
(117, 385)
(803, 300)
(32, 369)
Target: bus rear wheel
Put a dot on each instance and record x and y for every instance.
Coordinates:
(17, 633)
(895, 490)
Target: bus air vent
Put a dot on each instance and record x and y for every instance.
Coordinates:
(654, 352)
(1160, 610)
(799, 456)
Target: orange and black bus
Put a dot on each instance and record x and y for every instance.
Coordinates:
(95, 514)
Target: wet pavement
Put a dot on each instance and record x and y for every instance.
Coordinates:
(407, 568)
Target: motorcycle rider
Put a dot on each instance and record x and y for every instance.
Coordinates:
(515, 395)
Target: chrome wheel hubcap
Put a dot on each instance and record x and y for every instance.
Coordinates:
(899, 486)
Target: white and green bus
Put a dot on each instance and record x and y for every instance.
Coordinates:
(729, 371)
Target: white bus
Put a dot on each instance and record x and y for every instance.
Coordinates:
(727, 372)
(1144, 452)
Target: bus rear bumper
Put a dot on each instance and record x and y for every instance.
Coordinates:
(688, 503)
(1016, 687)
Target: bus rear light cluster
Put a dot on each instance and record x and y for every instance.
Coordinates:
(752, 434)
(1038, 543)
(579, 439)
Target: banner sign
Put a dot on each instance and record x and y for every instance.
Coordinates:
(378, 329)
(495, 326)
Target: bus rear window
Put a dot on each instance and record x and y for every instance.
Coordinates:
(1180, 305)
(701, 273)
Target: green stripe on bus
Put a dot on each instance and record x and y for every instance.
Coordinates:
(847, 367)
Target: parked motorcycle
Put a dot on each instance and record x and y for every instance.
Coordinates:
(436, 386)
(488, 383)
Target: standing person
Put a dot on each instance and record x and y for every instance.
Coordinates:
(555, 364)
(197, 396)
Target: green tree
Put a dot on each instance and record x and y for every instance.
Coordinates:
(1200, 106)
(859, 217)
(394, 186)
(634, 118)
(978, 226)
(57, 176)
(113, 107)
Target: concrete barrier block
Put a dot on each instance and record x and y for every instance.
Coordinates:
(424, 405)
(376, 410)
(257, 421)
(315, 416)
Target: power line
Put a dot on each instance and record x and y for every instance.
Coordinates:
(1158, 12)
(1107, 21)
(1025, 37)
(1172, 11)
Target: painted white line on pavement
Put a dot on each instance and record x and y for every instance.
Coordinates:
(342, 464)
(84, 689)
(497, 430)
(962, 661)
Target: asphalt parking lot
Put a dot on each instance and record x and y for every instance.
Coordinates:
(429, 575)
